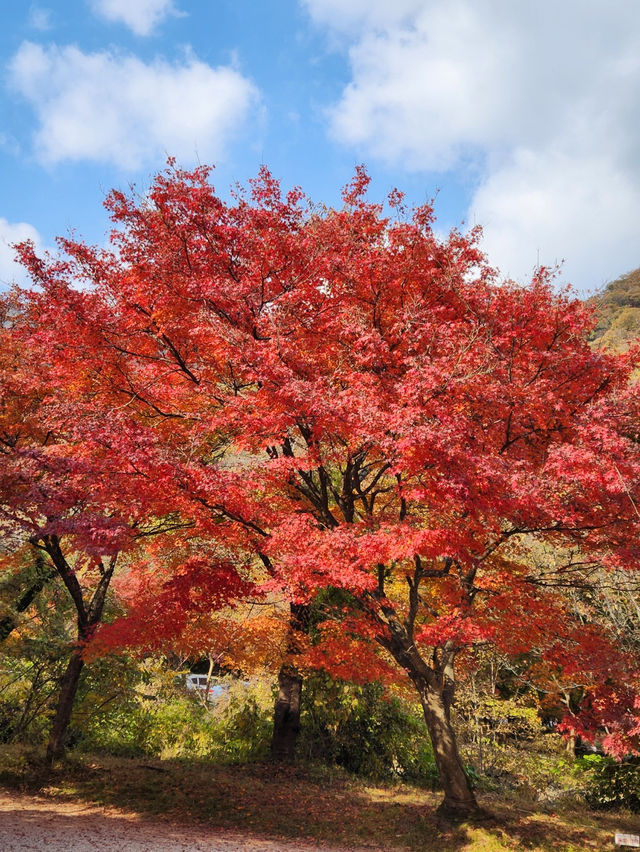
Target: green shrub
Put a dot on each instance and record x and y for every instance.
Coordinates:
(30, 669)
(364, 731)
(160, 719)
(612, 784)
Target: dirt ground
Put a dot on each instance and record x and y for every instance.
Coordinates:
(37, 824)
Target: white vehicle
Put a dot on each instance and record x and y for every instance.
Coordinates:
(198, 683)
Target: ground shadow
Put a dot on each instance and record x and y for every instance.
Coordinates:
(307, 805)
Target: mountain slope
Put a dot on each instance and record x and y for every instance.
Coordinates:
(618, 308)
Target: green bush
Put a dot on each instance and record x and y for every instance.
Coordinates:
(160, 719)
(355, 727)
(30, 669)
(613, 785)
(364, 731)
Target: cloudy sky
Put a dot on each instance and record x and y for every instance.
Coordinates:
(522, 117)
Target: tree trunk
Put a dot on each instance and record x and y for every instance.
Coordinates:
(42, 576)
(89, 616)
(286, 714)
(436, 687)
(459, 801)
(570, 746)
(68, 689)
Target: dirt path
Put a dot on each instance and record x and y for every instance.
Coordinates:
(38, 824)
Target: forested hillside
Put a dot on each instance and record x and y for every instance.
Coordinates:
(618, 308)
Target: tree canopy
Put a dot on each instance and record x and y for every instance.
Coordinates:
(344, 400)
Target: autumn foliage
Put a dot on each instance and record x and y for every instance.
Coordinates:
(341, 399)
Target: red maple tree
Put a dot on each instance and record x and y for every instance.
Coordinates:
(69, 488)
(344, 399)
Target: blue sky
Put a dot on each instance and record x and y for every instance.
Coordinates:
(521, 117)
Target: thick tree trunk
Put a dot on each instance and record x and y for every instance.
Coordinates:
(68, 689)
(459, 801)
(436, 686)
(286, 714)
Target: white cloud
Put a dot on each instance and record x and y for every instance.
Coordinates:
(10, 271)
(114, 108)
(537, 102)
(351, 16)
(141, 16)
(550, 206)
(40, 18)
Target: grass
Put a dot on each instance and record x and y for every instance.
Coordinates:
(309, 804)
